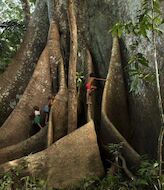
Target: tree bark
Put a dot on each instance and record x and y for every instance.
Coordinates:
(109, 132)
(17, 127)
(72, 91)
(66, 162)
(90, 69)
(54, 56)
(26, 10)
(33, 144)
(15, 79)
(57, 127)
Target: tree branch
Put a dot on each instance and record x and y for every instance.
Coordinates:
(26, 10)
(126, 170)
(72, 94)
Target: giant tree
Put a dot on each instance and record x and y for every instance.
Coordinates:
(74, 36)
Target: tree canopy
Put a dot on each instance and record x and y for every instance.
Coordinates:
(12, 27)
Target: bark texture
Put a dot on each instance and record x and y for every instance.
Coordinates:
(57, 127)
(26, 9)
(101, 16)
(17, 126)
(113, 101)
(54, 54)
(15, 79)
(63, 163)
(90, 69)
(72, 91)
(31, 145)
(94, 18)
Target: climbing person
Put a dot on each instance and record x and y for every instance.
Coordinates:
(90, 87)
(36, 120)
(37, 117)
(47, 108)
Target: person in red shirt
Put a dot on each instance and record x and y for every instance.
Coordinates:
(90, 87)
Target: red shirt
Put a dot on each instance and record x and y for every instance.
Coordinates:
(88, 86)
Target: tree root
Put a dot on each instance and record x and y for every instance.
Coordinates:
(33, 144)
(66, 162)
(17, 75)
(126, 170)
(108, 131)
(17, 127)
(57, 126)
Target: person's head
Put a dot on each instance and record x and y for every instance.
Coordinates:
(92, 75)
(52, 98)
(36, 108)
(49, 97)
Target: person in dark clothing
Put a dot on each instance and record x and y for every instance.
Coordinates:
(47, 108)
(36, 120)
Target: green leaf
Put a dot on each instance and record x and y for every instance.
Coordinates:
(156, 6)
(158, 31)
(142, 182)
(134, 85)
(117, 29)
(132, 59)
(142, 60)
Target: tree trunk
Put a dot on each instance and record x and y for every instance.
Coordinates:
(26, 10)
(90, 69)
(17, 126)
(57, 127)
(72, 91)
(15, 79)
(33, 144)
(66, 162)
(74, 151)
(109, 133)
(54, 56)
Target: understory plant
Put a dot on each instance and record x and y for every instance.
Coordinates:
(146, 26)
(146, 176)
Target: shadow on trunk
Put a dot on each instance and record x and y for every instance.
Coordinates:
(90, 69)
(17, 127)
(65, 162)
(33, 144)
(57, 126)
(114, 108)
(16, 77)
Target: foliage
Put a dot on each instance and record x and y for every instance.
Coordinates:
(6, 181)
(33, 1)
(33, 183)
(148, 20)
(114, 149)
(11, 30)
(147, 177)
(79, 80)
(10, 39)
(13, 180)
